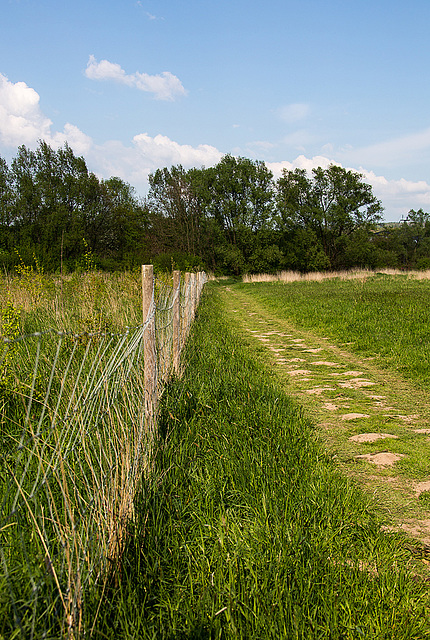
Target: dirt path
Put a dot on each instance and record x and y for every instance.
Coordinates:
(373, 422)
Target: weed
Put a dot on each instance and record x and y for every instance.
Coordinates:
(10, 328)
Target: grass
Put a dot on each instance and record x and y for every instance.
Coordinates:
(247, 529)
(286, 322)
(73, 442)
(383, 316)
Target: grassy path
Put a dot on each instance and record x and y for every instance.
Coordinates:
(374, 422)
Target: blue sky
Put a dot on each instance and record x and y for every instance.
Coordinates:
(133, 85)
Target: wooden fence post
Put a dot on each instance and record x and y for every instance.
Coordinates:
(187, 311)
(176, 320)
(193, 296)
(149, 348)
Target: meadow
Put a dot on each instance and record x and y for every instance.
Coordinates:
(243, 526)
(383, 316)
(249, 529)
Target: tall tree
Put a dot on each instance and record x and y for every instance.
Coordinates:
(179, 212)
(240, 195)
(332, 204)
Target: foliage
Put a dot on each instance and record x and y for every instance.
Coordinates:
(49, 201)
(231, 218)
(333, 204)
(10, 327)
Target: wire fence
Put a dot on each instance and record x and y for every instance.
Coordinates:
(78, 427)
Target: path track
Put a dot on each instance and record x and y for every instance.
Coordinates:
(373, 421)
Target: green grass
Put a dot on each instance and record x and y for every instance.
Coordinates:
(246, 529)
(383, 316)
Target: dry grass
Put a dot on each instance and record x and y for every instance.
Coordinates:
(319, 276)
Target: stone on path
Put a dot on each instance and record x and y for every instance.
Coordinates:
(327, 364)
(299, 372)
(319, 390)
(329, 406)
(371, 437)
(422, 486)
(384, 459)
(356, 383)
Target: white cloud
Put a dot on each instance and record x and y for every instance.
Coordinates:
(294, 112)
(164, 86)
(134, 163)
(399, 196)
(105, 70)
(164, 152)
(393, 152)
(301, 162)
(22, 121)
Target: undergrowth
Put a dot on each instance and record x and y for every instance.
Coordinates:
(246, 529)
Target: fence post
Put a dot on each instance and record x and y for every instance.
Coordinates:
(176, 320)
(187, 313)
(149, 348)
(193, 296)
(199, 286)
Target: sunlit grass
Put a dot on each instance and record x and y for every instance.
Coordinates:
(318, 276)
(384, 316)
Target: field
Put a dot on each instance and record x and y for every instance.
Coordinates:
(257, 519)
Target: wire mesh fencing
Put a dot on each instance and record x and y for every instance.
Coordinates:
(78, 426)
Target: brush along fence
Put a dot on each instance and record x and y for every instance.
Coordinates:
(78, 424)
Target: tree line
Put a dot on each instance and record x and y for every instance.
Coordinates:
(231, 218)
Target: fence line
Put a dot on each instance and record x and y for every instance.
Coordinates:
(78, 431)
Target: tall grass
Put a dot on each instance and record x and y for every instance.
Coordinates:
(80, 301)
(74, 441)
(318, 276)
(247, 530)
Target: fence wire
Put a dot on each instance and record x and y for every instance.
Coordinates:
(74, 446)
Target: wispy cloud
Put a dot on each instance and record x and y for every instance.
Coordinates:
(164, 86)
(149, 15)
(295, 112)
(396, 151)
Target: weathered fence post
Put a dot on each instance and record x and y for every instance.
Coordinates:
(193, 296)
(187, 313)
(149, 348)
(176, 320)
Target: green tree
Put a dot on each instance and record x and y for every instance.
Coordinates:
(178, 211)
(332, 204)
(413, 235)
(239, 194)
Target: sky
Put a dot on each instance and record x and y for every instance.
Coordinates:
(134, 85)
